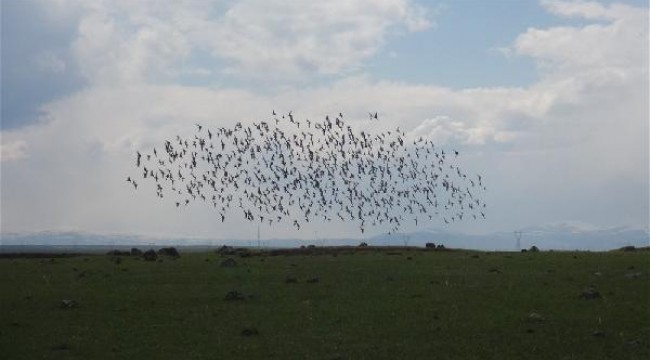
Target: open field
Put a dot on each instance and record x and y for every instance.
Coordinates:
(343, 304)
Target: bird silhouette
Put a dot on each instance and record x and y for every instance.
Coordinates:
(279, 171)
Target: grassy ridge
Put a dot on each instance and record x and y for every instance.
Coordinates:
(402, 304)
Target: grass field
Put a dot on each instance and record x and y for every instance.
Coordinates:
(345, 304)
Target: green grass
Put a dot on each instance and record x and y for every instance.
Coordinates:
(366, 305)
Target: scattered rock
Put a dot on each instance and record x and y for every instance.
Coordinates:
(234, 296)
(229, 263)
(249, 332)
(535, 318)
(69, 304)
(150, 255)
(590, 294)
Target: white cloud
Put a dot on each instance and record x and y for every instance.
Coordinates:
(295, 39)
(13, 150)
(48, 61)
(132, 41)
(603, 48)
(577, 139)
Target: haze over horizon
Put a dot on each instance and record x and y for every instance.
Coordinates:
(548, 100)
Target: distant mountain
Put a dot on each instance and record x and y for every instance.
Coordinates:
(565, 236)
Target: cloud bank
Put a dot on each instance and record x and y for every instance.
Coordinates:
(571, 146)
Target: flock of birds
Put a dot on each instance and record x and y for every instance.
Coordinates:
(299, 171)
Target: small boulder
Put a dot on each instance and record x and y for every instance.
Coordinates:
(234, 296)
(229, 263)
(535, 318)
(69, 304)
(169, 251)
(225, 250)
(633, 275)
(590, 294)
(249, 332)
(150, 255)
(118, 253)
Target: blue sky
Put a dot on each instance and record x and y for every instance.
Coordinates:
(548, 99)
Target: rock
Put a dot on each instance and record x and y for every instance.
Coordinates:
(118, 253)
(633, 275)
(150, 255)
(229, 263)
(590, 294)
(234, 296)
(225, 250)
(69, 304)
(598, 333)
(535, 318)
(61, 346)
(633, 343)
(250, 332)
(169, 251)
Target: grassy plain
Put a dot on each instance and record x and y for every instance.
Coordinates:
(370, 304)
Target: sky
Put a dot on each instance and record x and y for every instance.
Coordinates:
(548, 100)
